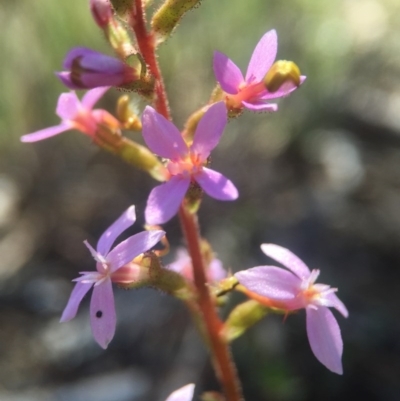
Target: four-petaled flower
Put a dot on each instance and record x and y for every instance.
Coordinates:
(294, 290)
(183, 265)
(77, 115)
(186, 163)
(112, 266)
(251, 91)
(185, 393)
(88, 69)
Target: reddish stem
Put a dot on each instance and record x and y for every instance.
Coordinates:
(147, 49)
(222, 360)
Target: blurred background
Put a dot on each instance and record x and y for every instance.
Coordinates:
(321, 177)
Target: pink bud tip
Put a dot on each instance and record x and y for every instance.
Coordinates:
(101, 11)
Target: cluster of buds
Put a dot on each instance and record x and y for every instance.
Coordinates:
(181, 161)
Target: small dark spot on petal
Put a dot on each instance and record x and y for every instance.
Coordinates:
(99, 314)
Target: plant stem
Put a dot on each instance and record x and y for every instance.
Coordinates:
(221, 356)
(222, 360)
(147, 49)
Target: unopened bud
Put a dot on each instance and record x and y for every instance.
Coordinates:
(282, 72)
(101, 11)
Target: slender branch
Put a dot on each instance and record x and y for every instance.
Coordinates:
(220, 351)
(148, 51)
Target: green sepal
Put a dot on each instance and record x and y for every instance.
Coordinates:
(242, 317)
(167, 17)
(122, 7)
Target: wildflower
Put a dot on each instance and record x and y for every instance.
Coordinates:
(186, 163)
(183, 394)
(112, 266)
(276, 287)
(252, 91)
(183, 265)
(88, 69)
(76, 115)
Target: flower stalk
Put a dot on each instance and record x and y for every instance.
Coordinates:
(221, 355)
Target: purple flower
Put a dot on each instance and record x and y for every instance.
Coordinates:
(186, 163)
(183, 265)
(110, 265)
(294, 290)
(90, 69)
(183, 394)
(251, 91)
(76, 115)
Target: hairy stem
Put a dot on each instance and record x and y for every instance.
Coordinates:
(220, 351)
(147, 49)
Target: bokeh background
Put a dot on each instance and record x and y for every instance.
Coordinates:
(321, 177)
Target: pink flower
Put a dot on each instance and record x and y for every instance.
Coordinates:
(183, 394)
(112, 266)
(76, 115)
(294, 290)
(88, 69)
(251, 91)
(183, 265)
(186, 163)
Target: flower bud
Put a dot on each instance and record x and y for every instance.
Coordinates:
(282, 72)
(102, 12)
(90, 69)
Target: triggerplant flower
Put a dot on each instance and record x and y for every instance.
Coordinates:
(88, 69)
(112, 266)
(183, 265)
(185, 393)
(276, 287)
(251, 92)
(186, 163)
(76, 115)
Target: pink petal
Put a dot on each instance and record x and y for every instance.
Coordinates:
(216, 271)
(183, 394)
(216, 185)
(287, 259)
(270, 281)
(227, 73)
(338, 304)
(133, 246)
(260, 106)
(102, 313)
(68, 106)
(161, 136)
(164, 200)
(98, 257)
(46, 133)
(325, 339)
(283, 91)
(263, 57)
(209, 130)
(92, 96)
(115, 230)
(77, 294)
